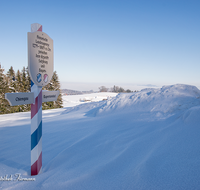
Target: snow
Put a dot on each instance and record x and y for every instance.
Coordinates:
(73, 100)
(162, 102)
(142, 140)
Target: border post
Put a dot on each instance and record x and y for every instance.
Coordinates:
(36, 122)
(40, 67)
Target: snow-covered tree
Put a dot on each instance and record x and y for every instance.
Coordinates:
(11, 80)
(4, 105)
(28, 79)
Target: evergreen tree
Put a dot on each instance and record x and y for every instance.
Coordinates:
(27, 85)
(54, 85)
(4, 105)
(19, 88)
(20, 82)
(28, 80)
(25, 88)
(59, 101)
(11, 80)
(24, 80)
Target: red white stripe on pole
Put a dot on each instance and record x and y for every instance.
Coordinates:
(36, 122)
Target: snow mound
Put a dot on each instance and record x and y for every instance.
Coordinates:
(160, 103)
(191, 115)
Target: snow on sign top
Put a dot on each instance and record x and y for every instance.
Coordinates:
(40, 57)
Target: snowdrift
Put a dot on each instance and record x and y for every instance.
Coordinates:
(144, 140)
(158, 103)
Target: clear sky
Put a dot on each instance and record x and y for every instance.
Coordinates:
(108, 42)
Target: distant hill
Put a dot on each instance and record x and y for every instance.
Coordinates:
(75, 92)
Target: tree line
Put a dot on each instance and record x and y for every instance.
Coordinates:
(13, 82)
(116, 89)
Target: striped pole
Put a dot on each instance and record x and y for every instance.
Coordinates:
(36, 122)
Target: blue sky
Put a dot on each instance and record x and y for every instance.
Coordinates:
(108, 42)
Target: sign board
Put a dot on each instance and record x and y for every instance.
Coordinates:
(20, 98)
(16, 99)
(48, 96)
(40, 57)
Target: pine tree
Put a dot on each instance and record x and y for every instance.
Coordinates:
(54, 85)
(11, 80)
(25, 88)
(55, 80)
(20, 82)
(19, 88)
(28, 80)
(27, 85)
(19, 85)
(24, 80)
(4, 105)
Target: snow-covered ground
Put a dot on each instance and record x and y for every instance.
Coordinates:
(74, 100)
(144, 140)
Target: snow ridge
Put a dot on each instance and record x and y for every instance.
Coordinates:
(161, 103)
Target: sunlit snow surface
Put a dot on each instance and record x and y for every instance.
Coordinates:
(144, 140)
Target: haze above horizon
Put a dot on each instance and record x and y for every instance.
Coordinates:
(108, 42)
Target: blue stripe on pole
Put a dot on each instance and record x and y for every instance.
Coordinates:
(36, 136)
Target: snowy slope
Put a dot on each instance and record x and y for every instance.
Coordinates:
(144, 140)
(162, 102)
(74, 100)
